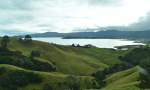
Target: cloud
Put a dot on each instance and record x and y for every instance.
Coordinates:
(104, 2)
(15, 4)
(13, 32)
(142, 24)
(18, 4)
(39, 16)
(86, 30)
(22, 18)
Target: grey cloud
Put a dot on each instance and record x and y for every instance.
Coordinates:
(16, 4)
(13, 32)
(142, 24)
(85, 30)
(16, 19)
(43, 25)
(47, 27)
(122, 28)
(104, 2)
(23, 18)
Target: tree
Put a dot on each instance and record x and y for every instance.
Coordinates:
(141, 46)
(35, 53)
(48, 86)
(20, 40)
(99, 77)
(72, 82)
(73, 45)
(78, 45)
(119, 48)
(105, 71)
(4, 41)
(2, 70)
(53, 63)
(28, 38)
(17, 54)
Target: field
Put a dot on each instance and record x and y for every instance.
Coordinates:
(83, 61)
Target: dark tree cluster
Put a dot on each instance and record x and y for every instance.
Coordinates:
(85, 46)
(88, 46)
(27, 39)
(35, 53)
(116, 68)
(99, 77)
(17, 59)
(135, 56)
(48, 86)
(145, 76)
(43, 66)
(5, 52)
(4, 41)
(18, 78)
(140, 56)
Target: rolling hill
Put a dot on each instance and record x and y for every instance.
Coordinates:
(83, 61)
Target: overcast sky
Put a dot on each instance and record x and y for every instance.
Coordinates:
(38, 16)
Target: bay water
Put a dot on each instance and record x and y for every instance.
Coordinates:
(100, 43)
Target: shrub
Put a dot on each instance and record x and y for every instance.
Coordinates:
(12, 87)
(59, 83)
(48, 86)
(72, 83)
(145, 74)
(19, 78)
(2, 70)
(53, 63)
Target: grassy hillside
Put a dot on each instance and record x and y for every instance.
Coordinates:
(84, 61)
(54, 77)
(68, 59)
(124, 80)
(123, 77)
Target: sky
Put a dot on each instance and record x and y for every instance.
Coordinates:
(20, 17)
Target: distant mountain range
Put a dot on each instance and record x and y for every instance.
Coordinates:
(100, 34)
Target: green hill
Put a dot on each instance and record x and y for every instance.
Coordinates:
(68, 59)
(83, 61)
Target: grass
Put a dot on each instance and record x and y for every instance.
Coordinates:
(84, 61)
(66, 62)
(48, 77)
(124, 80)
(123, 77)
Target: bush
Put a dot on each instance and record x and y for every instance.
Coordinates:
(2, 70)
(99, 77)
(5, 80)
(145, 75)
(12, 87)
(19, 78)
(72, 83)
(35, 53)
(53, 63)
(48, 86)
(59, 83)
